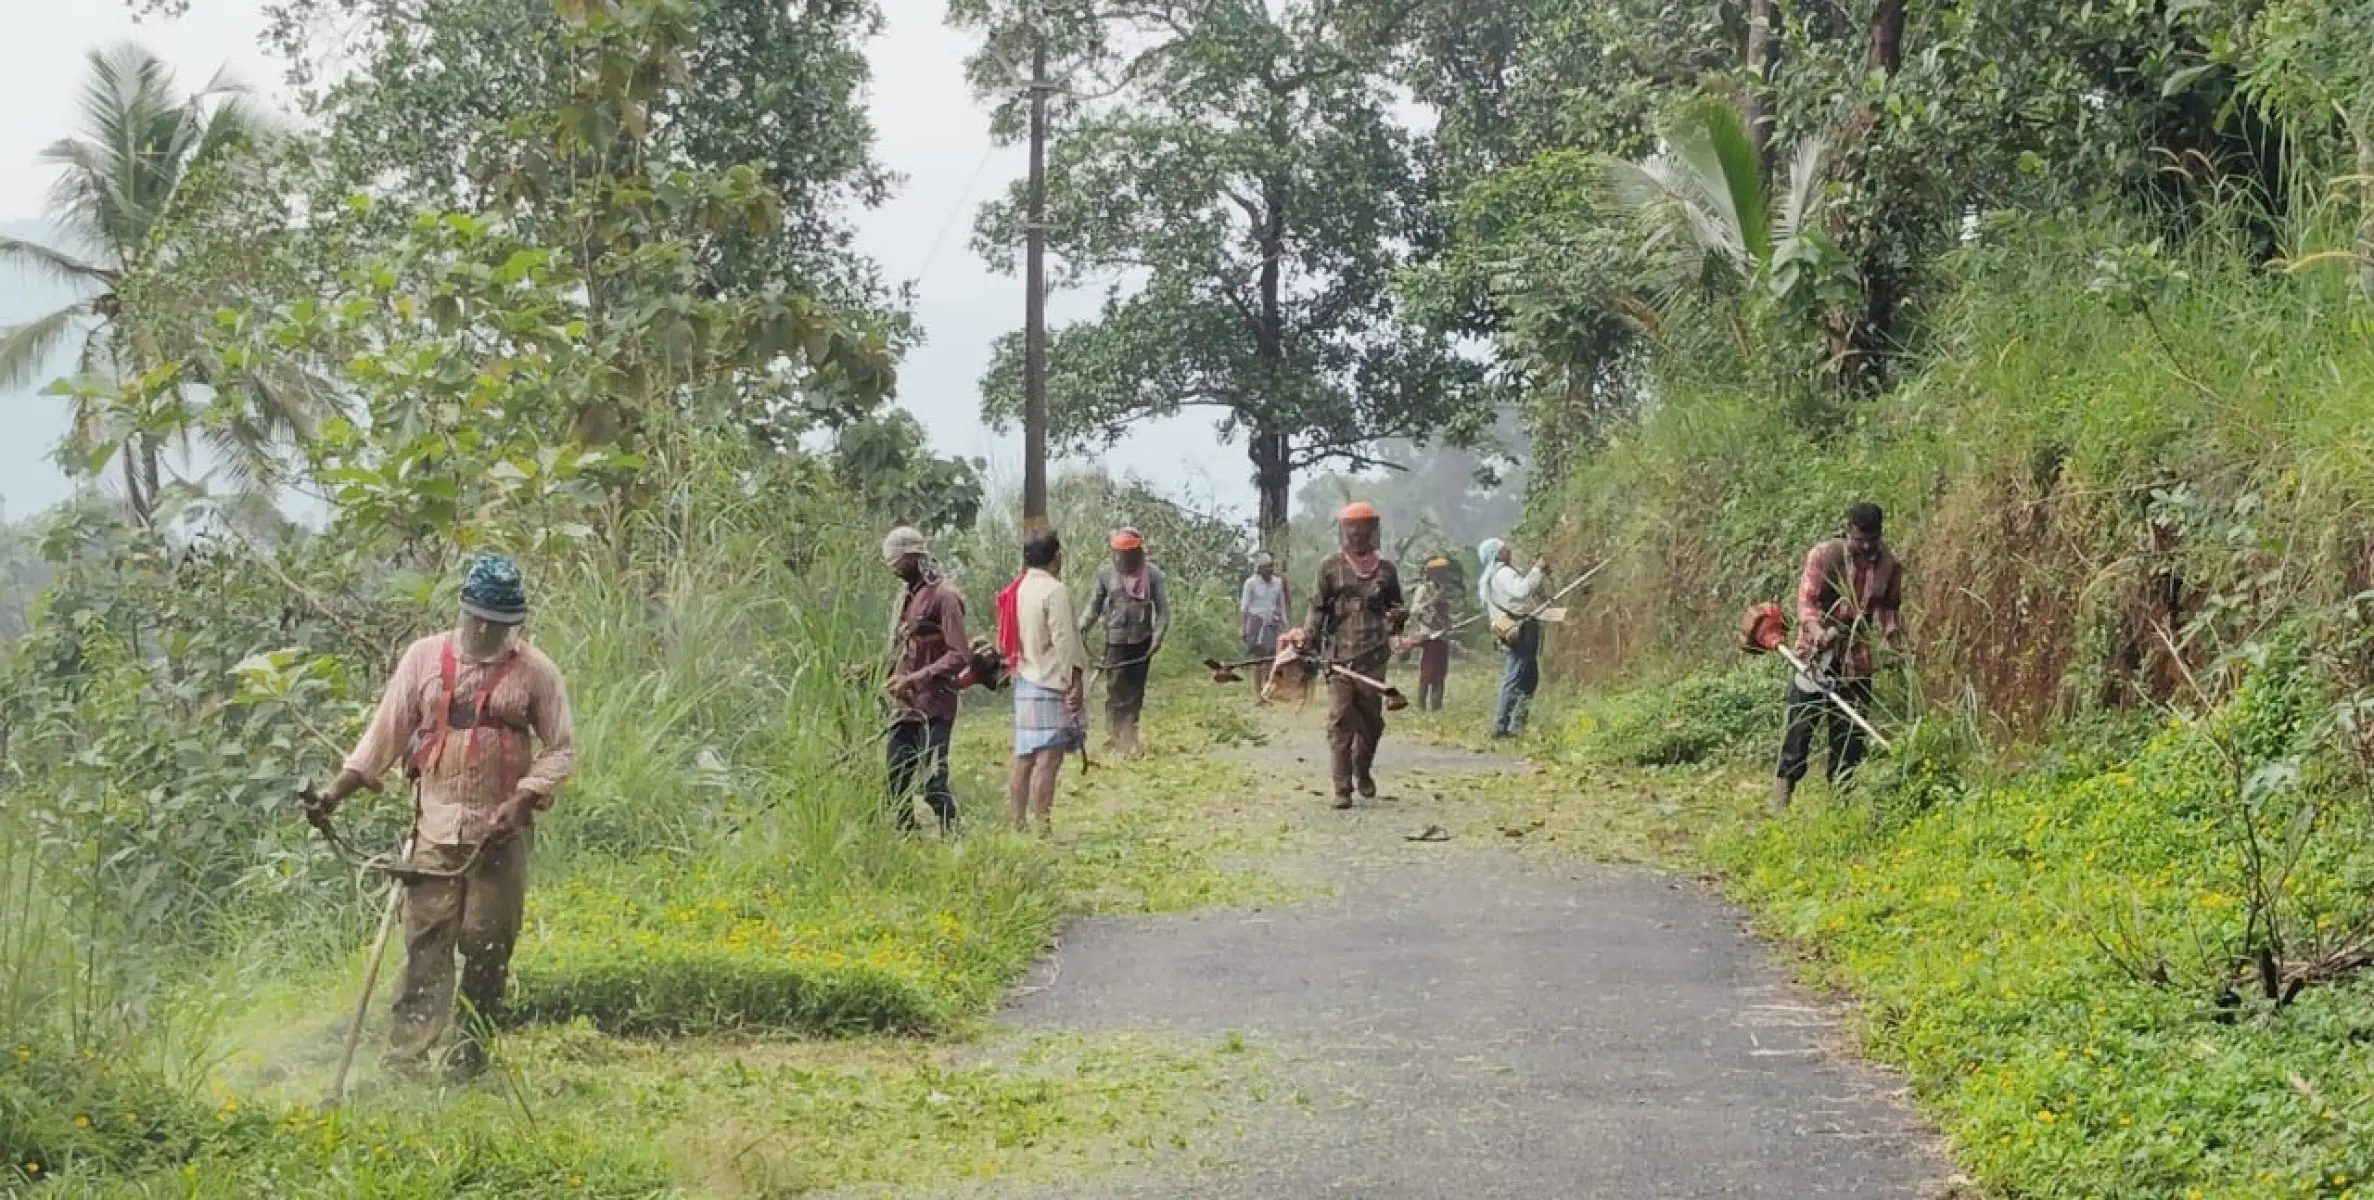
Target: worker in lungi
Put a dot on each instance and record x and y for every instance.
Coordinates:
(1262, 605)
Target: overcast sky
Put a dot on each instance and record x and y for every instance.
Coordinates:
(927, 129)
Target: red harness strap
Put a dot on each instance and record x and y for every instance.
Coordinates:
(432, 747)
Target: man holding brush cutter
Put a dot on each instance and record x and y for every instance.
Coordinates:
(1356, 612)
(480, 721)
(929, 660)
(1134, 604)
(1851, 588)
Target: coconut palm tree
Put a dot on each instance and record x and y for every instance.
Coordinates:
(115, 204)
(1714, 221)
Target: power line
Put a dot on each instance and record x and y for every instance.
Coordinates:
(963, 200)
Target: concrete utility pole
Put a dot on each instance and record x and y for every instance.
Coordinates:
(1034, 313)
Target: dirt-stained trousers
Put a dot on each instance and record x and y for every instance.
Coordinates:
(1355, 723)
(476, 915)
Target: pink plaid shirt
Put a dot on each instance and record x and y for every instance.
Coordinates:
(460, 791)
(1853, 597)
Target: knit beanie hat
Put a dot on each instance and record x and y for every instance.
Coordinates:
(493, 591)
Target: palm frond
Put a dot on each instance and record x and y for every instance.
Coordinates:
(137, 143)
(25, 350)
(1802, 206)
(1711, 139)
(54, 263)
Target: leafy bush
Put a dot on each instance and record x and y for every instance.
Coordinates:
(68, 1112)
(1700, 717)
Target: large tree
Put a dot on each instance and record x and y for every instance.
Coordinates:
(1233, 175)
(430, 111)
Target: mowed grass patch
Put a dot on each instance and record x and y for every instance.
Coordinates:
(896, 1117)
(1640, 778)
(1179, 826)
(77, 1127)
(730, 944)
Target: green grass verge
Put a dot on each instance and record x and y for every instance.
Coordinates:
(1963, 920)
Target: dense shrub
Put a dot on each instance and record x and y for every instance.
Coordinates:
(1734, 714)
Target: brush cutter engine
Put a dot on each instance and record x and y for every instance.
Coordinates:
(984, 667)
(1763, 628)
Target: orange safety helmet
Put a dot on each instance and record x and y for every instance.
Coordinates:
(1358, 510)
(1128, 539)
(1762, 628)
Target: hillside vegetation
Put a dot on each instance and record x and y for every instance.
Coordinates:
(2111, 903)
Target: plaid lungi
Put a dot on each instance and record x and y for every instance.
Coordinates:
(1041, 724)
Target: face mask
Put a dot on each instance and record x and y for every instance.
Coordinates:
(484, 640)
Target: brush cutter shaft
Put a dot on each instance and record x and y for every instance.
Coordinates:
(1562, 594)
(362, 1004)
(1805, 672)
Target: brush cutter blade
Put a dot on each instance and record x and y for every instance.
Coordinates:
(1225, 675)
(1394, 700)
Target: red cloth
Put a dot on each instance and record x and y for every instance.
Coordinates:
(1138, 584)
(1009, 624)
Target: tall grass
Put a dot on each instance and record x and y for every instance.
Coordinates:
(2087, 468)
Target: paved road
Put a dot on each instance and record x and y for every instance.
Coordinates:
(1466, 1026)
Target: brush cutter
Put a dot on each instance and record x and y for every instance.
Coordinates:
(399, 870)
(1546, 611)
(1394, 700)
(1763, 629)
(1226, 673)
(1806, 673)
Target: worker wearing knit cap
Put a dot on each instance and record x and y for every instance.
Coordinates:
(480, 722)
(1356, 610)
(1133, 602)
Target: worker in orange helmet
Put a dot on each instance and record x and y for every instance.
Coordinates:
(1133, 602)
(1356, 611)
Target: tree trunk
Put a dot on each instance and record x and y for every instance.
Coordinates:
(140, 480)
(1273, 480)
(1887, 37)
(1273, 470)
(1759, 64)
(2365, 235)
(1873, 335)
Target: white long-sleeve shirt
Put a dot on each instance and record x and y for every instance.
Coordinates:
(1510, 592)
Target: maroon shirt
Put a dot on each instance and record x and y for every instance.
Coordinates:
(932, 650)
